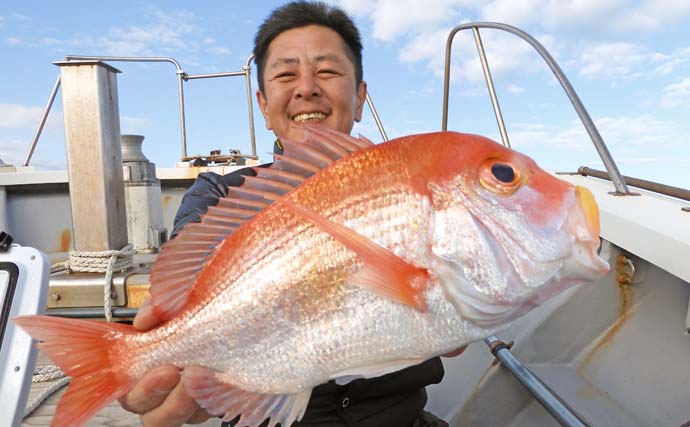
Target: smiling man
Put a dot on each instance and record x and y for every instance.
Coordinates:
(309, 61)
(309, 75)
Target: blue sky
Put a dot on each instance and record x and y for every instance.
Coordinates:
(629, 61)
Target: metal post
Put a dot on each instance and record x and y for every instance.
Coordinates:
(183, 127)
(247, 75)
(92, 133)
(42, 122)
(552, 403)
(370, 103)
(490, 85)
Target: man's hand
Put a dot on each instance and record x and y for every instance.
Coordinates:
(159, 398)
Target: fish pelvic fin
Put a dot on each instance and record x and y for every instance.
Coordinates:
(219, 397)
(384, 272)
(82, 349)
(177, 267)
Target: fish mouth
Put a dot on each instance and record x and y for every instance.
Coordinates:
(312, 117)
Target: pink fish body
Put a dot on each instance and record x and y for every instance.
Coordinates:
(385, 258)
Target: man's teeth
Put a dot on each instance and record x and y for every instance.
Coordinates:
(308, 116)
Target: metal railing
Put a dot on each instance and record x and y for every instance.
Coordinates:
(604, 154)
(181, 78)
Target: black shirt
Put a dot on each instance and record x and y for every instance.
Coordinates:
(392, 400)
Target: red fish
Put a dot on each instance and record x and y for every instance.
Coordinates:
(387, 256)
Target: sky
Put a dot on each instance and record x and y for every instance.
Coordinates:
(629, 62)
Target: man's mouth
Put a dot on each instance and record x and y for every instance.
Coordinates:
(308, 117)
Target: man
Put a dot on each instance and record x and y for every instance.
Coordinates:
(309, 63)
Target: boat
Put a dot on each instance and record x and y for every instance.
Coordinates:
(613, 353)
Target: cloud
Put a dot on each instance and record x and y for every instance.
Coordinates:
(13, 151)
(651, 15)
(421, 29)
(614, 61)
(676, 94)
(218, 50)
(162, 33)
(392, 18)
(134, 124)
(635, 133)
(13, 116)
(551, 14)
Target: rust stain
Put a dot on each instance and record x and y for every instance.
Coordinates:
(166, 202)
(65, 240)
(626, 296)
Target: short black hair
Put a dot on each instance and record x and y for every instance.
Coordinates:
(299, 14)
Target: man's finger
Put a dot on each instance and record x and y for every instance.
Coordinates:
(177, 409)
(152, 390)
(199, 416)
(145, 320)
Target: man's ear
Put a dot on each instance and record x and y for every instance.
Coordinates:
(361, 97)
(263, 105)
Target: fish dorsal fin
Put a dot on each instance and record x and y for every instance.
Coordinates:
(178, 265)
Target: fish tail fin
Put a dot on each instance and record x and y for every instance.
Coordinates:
(82, 349)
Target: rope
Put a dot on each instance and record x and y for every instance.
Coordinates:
(100, 262)
(45, 374)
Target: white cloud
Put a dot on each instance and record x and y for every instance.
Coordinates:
(218, 50)
(163, 33)
(134, 124)
(13, 151)
(515, 89)
(651, 15)
(614, 60)
(676, 94)
(392, 18)
(357, 7)
(14, 116)
(551, 13)
(17, 116)
(634, 133)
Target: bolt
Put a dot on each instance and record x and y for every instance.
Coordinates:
(56, 296)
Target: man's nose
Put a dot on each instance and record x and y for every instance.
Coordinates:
(307, 87)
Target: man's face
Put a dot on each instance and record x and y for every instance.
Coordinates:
(308, 78)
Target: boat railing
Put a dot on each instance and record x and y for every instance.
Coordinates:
(613, 172)
(181, 78)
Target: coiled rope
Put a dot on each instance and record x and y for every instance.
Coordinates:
(100, 262)
(45, 374)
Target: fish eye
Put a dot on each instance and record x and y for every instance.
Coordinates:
(500, 176)
(503, 172)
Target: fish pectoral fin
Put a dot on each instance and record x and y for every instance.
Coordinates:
(371, 371)
(384, 272)
(214, 393)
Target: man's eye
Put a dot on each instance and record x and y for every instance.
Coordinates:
(284, 75)
(328, 71)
